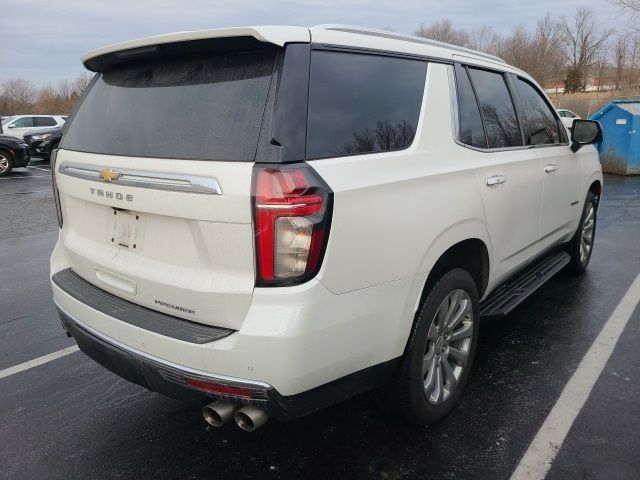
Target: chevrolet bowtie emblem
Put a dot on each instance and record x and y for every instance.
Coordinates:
(109, 175)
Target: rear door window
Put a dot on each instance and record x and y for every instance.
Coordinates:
(44, 122)
(360, 103)
(24, 122)
(498, 113)
(205, 106)
(539, 123)
(471, 129)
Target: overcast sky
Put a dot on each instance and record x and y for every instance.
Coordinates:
(42, 40)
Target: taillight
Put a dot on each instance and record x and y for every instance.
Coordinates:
(56, 194)
(292, 214)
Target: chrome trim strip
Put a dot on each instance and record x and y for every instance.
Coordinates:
(145, 179)
(241, 382)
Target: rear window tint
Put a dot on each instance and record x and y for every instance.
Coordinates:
(471, 130)
(45, 122)
(362, 103)
(208, 107)
(498, 113)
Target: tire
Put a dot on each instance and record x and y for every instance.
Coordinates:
(6, 163)
(585, 233)
(424, 395)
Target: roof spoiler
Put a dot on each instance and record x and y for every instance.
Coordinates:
(174, 43)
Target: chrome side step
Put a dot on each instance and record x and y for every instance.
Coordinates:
(515, 291)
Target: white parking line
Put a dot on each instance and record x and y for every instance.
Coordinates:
(38, 361)
(545, 446)
(30, 176)
(26, 193)
(40, 168)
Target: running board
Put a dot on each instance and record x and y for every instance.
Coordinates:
(511, 294)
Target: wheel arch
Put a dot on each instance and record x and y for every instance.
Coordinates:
(463, 245)
(5, 149)
(471, 255)
(596, 189)
(595, 184)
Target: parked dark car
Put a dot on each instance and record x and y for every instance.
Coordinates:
(14, 153)
(42, 142)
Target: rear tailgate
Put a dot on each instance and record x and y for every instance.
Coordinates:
(189, 254)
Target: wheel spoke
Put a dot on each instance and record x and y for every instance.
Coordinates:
(438, 387)
(430, 381)
(465, 331)
(459, 315)
(453, 305)
(587, 219)
(433, 332)
(427, 361)
(449, 376)
(587, 240)
(458, 355)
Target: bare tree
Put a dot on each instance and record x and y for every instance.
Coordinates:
(515, 48)
(484, 39)
(19, 90)
(582, 39)
(444, 31)
(549, 60)
(19, 96)
(536, 52)
(630, 6)
(621, 58)
(16, 94)
(82, 82)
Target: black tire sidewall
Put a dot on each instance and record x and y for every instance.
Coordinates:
(420, 410)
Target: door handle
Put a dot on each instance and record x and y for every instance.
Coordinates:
(550, 168)
(495, 180)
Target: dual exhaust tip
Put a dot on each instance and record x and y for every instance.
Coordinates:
(248, 418)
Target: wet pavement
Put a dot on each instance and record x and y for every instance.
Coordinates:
(70, 418)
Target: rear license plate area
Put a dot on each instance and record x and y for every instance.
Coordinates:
(126, 230)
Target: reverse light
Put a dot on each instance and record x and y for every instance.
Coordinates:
(292, 214)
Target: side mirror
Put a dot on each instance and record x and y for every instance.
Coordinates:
(585, 132)
(13, 125)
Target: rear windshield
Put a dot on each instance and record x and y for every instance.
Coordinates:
(208, 107)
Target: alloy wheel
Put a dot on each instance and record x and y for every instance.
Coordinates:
(448, 346)
(4, 163)
(586, 239)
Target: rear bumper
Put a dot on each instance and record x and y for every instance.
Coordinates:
(169, 379)
(306, 345)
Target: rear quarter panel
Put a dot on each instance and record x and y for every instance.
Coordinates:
(396, 213)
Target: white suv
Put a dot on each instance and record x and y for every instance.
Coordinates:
(19, 125)
(274, 219)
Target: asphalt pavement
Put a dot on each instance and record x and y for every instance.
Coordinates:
(70, 418)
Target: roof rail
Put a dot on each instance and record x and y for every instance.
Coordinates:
(407, 38)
